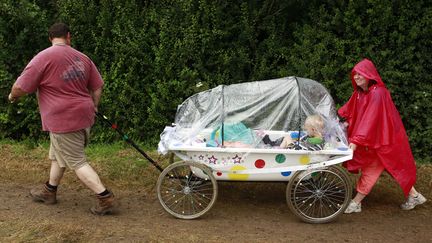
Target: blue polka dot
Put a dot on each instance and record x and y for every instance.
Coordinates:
(343, 148)
(286, 173)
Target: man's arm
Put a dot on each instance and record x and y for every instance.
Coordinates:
(96, 94)
(15, 93)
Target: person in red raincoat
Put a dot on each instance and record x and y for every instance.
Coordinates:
(377, 137)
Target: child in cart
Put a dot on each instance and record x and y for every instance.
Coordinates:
(313, 140)
(236, 135)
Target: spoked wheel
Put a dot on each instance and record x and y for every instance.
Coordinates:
(187, 190)
(319, 195)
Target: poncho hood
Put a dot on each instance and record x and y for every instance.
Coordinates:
(367, 69)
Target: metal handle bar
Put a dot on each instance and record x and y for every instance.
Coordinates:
(127, 139)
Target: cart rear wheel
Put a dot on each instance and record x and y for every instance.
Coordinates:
(187, 190)
(319, 195)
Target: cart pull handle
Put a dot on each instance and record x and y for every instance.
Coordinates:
(127, 139)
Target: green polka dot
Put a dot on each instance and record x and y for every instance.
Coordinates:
(280, 158)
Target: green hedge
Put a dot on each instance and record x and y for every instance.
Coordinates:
(153, 53)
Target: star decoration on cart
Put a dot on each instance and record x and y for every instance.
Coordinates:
(212, 160)
(237, 159)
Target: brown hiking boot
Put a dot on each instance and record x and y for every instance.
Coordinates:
(105, 205)
(43, 194)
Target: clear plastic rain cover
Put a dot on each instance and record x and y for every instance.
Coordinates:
(286, 113)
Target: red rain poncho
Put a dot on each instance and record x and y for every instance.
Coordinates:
(376, 128)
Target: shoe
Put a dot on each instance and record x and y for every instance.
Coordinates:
(353, 207)
(44, 194)
(412, 202)
(105, 205)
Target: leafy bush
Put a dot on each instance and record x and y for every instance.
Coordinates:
(22, 34)
(152, 54)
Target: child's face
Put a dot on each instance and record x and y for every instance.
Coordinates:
(312, 131)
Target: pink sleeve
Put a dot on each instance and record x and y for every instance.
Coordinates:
(95, 81)
(30, 78)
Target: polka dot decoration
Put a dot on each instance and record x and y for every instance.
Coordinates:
(259, 163)
(238, 177)
(286, 173)
(280, 158)
(304, 159)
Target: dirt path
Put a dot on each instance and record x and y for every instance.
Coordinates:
(244, 212)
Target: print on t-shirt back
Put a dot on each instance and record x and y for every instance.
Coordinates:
(75, 72)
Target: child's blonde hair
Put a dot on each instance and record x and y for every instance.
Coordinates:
(316, 123)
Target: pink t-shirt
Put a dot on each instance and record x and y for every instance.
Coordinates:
(62, 77)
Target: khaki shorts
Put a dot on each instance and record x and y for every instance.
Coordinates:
(68, 148)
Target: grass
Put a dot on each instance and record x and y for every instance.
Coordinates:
(45, 231)
(118, 165)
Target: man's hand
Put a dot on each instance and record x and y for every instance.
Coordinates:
(11, 98)
(15, 93)
(96, 94)
(352, 146)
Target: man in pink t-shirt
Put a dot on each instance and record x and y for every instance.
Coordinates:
(68, 87)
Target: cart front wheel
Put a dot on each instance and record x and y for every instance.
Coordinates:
(319, 195)
(187, 190)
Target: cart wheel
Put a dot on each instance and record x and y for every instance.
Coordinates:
(320, 195)
(187, 190)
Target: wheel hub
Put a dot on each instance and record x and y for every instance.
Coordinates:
(319, 193)
(187, 190)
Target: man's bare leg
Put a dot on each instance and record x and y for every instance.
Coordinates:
(90, 178)
(56, 173)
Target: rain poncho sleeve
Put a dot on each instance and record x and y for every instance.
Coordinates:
(376, 127)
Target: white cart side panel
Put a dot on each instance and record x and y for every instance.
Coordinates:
(260, 164)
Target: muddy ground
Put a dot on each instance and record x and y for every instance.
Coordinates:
(244, 212)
